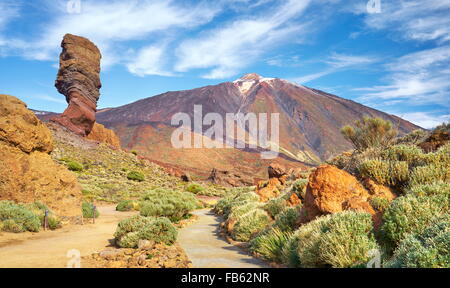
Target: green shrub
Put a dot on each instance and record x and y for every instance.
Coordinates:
(250, 224)
(299, 187)
(195, 188)
(289, 253)
(127, 205)
(275, 206)
(270, 245)
(429, 249)
(413, 138)
(437, 188)
(411, 214)
(287, 220)
(379, 203)
(131, 230)
(16, 218)
(429, 174)
(134, 152)
(225, 205)
(240, 210)
(370, 132)
(168, 203)
(136, 176)
(337, 240)
(409, 153)
(347, 240)
(389, 173)
(39, 210)
(74, 166)
(88, 210)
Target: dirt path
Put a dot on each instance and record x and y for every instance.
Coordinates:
(48, 249)
(206, 249)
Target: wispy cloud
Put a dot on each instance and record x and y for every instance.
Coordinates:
(109, 23)
(414, 19)
(49, 98)
(227, 50)
(336, 63)
(149, 60)
(416, 78)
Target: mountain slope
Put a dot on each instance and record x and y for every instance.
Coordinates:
(310, 122)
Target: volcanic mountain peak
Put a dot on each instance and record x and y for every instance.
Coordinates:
(248, 81)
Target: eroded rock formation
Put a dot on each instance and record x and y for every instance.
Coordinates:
(79, 80)
(229, 178)
(27, 172)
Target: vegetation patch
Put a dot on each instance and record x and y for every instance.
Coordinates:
(167, 203)
(157, 229)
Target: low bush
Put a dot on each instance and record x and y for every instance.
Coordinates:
(270, 245)
(289, 253)
(74, 166)
(287, 220)
(195, 188)
(168, 203)
(429, 249)
(17, 218)
(88, 210)
(136, 176)
(127, 205)
(390, 173)
(275, 206)
(250, 224)
(379, 203)
(429, 174)
(39, 210)
(412, 154)
(411, 214)
(131, 230)
(437, 188)
(226, 204)
(337, 240)
(299, 188)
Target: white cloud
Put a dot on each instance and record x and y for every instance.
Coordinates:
(149, 61)
(109, 23)
(228, 49)
(417, 78)
(425, 119)
(338, 62)
(414, 19)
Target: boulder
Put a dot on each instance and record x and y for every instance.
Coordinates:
(276, 170)
(331, 190)
(229, 178)
(102, 134)
(79, 80)
(269, 189)
(28, 173)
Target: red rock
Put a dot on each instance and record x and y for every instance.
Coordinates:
(79, 80)
(331, 190)
(101, 134)
(276, 170)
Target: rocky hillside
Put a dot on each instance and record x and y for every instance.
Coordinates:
(28, 173)
(310, 123)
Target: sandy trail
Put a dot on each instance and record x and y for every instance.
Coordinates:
(206, 249)
(48, 249)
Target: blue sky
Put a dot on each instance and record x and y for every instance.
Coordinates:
(396, 61)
